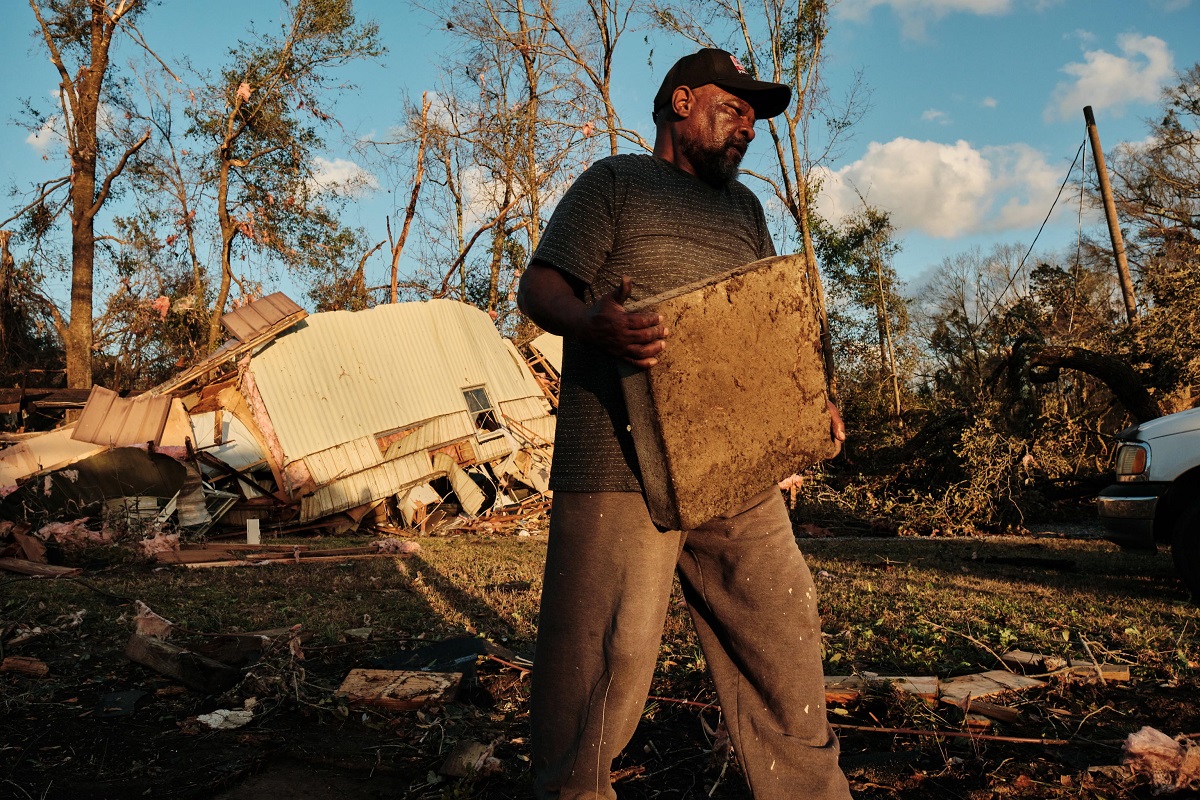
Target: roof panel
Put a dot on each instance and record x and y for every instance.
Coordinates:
(342, 375)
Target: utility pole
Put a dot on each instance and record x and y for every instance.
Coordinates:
(1110, 214)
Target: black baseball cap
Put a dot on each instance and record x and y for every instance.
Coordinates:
(723, 69)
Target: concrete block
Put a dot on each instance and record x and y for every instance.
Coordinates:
(737, 400)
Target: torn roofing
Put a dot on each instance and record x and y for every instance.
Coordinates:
(340, 375)
(86, 484)
(119, 421)
(256, 318)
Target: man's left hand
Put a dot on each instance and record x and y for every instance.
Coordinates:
(837, 428)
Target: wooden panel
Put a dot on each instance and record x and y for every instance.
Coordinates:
(737, 400)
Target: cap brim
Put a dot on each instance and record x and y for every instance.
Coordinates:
(767, 99)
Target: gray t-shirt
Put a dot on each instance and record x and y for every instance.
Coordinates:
(641, 217)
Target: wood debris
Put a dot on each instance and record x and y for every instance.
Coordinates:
(189, 668)
(33, 667)
(398, 690)
(240, 555)
(23, 566)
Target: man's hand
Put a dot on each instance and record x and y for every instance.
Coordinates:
(837, 428)
(546, 295)
(636, 338)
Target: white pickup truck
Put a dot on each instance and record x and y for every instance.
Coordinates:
(1156, 499)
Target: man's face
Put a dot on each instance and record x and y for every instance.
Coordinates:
(714, 137)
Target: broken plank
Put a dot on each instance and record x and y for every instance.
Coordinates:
(1110, 672)
(398, 690)
(33, 667)
(1032, 662)
(844, 688)
(976, 722)
(24, 566)
(925, 688)
(990, 710)
(190, 556)
(33, 547)
(984, 684)
(191, 669)
(250, 562)
(282, 548)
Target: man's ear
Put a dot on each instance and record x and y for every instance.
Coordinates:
(682, 100)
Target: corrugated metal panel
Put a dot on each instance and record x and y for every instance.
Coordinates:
(542, 426)
(110, 419)
(434, 433)
(551, 348)
(495, 448)
(250, 320)
(525, 408)
(376, 483)
(344, 375)
(345, 459)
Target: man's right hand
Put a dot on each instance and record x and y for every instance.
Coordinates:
(546, 296)
(636, 338)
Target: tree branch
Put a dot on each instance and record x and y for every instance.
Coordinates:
(106, 187)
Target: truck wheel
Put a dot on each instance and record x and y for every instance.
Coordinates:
(1185, 548)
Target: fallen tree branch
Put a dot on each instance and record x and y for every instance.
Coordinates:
(952, 734)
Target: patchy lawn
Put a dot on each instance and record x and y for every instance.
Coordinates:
(899, 606)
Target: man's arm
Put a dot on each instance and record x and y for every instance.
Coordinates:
(547, 298)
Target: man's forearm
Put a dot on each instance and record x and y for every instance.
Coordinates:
(546, 297)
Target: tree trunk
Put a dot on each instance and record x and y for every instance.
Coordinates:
(1119, 377)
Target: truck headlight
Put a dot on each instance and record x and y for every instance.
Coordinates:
(1131, 462)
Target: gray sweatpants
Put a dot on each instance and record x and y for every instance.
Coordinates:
(604, 602)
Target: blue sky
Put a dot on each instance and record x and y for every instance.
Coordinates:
(975, 105)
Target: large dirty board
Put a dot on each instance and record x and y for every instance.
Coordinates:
(737, 401)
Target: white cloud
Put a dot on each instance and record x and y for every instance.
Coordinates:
(916, 14)
(945, 190)
(989, 102)
(1109, 82)
(341, 176)
(49, 134)
(934, 115)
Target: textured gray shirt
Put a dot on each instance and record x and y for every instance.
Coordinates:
(641, 217)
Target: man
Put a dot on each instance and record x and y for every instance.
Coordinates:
(634, 226)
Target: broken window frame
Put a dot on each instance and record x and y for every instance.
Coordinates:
(482, 413)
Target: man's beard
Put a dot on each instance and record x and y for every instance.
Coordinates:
(716, 166)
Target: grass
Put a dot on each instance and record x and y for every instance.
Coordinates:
(907, 606)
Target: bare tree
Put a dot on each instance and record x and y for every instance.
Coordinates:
(588, 39)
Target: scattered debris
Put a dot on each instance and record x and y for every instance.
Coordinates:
(470, 758)
(459, 427)
(148, 623)
(398, 690)
(191, 669)
(33, 667)
(1173, 765)
(228, 719)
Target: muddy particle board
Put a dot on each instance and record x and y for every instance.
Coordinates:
(737, 400)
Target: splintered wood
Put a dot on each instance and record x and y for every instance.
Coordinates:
(398, 690)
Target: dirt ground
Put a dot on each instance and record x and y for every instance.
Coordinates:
(100, 727)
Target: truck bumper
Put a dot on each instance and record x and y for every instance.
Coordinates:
(1127, 512)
